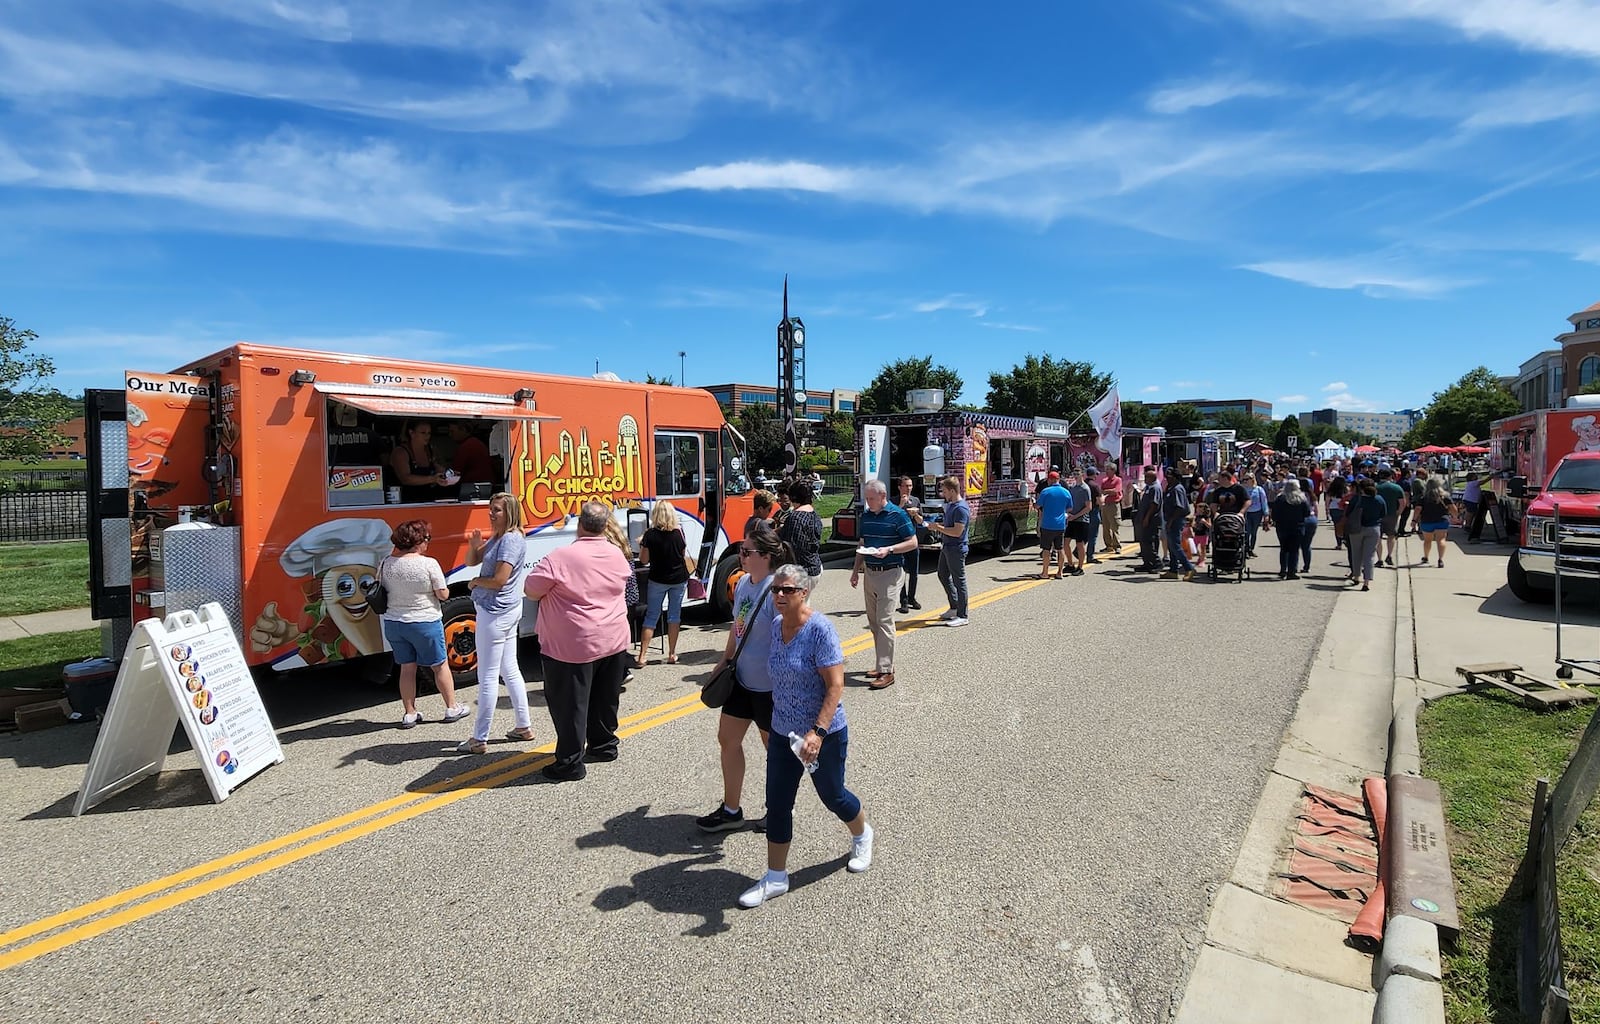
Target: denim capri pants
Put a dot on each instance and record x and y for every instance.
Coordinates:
(673, 592)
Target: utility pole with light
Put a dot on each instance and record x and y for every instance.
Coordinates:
(683, 381)
(791, 381)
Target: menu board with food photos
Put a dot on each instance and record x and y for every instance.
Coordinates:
(187, 669)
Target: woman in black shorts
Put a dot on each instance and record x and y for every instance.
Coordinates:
(759, 553)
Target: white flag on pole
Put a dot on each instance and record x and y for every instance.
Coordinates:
(1106, 415)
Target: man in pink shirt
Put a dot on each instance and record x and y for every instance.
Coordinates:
(583, 640)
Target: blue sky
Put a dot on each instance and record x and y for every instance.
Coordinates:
(1345, 202)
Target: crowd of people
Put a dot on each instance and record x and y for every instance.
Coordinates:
(1369, 504)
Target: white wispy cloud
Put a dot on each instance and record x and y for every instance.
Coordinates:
(1191, 384)
(1346, 402)
(1029, 328)
(754, 175)
(960, 303)
(1337, 385)
(1150, 389)
(1181, 97)
(1376, 277)
(1567, 27)
(1291, 399)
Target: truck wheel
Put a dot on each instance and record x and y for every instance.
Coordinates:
(461, 638)
(722, 584)
(1005, 536)
(1521, 587)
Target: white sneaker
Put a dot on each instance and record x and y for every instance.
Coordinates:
(947, 615)
(957, 621)
(860, 851)
(770, 887)
(456, 713)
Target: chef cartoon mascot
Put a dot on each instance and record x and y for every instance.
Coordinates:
(337, 564)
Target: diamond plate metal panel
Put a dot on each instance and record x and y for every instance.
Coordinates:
(114, 455)
(200, 563)
(116, 552)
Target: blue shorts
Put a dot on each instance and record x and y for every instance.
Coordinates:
(655, 593)
(415, 643)
(1435, 527)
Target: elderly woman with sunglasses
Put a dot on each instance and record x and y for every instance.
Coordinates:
(807, 669)
(751, 700)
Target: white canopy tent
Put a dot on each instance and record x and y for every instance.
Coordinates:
(1331, 449)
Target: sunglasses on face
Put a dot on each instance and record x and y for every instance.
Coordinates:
(788, 591)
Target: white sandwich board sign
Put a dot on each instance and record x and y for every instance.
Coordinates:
(189, 669)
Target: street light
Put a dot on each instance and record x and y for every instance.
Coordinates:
(682, 381)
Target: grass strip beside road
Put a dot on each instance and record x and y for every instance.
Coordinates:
(44, 577)
(1485, 752)
(38, 660)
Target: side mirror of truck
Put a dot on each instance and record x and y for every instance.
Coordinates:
(1517, 487)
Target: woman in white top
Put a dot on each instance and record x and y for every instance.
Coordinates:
(413, 624)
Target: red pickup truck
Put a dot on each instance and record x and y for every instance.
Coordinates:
(1575, 487)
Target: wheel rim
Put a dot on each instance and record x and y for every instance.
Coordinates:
(461, 644)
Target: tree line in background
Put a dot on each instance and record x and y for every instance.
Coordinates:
(29, 411)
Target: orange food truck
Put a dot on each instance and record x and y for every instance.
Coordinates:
(263, 478)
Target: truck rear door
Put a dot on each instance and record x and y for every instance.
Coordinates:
(110, 543)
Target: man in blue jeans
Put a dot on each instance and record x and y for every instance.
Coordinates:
(1255, 511)
(1091, 479)
(1174, 513)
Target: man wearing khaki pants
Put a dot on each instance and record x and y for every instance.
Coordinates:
(886, 534)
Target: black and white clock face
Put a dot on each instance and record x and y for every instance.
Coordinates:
(1591, 323)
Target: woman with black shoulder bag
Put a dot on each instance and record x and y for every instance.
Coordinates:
(748, 648)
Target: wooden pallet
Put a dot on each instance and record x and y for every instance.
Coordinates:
(1535, 693)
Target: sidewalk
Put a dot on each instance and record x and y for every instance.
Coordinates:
(44, 623)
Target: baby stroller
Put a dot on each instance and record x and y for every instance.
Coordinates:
(1228, 547)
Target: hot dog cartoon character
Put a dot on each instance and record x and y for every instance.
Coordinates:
(338, 563)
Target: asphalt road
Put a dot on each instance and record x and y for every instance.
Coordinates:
(1056, 789)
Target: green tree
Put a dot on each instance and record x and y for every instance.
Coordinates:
(1468, 407)
(887, 392)
(837, 430)
(1591, 388)
(28, 410)
(1137, 415)
(763, 438)
(1245, 427)
(1181, 417)
(651, 378)
(1289, 427)
(1045, 386)
(1416, 437)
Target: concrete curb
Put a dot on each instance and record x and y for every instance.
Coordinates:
(1409, 989)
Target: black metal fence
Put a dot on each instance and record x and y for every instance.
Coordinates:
(43, 515)
(42, 480)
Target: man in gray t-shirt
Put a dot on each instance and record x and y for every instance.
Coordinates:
(1078, 525)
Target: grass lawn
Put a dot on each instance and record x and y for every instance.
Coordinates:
(18, 464)
(1486, 753)
(44, 577)
(36, 660)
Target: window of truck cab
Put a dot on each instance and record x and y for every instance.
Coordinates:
(679, 464)
(364, 450)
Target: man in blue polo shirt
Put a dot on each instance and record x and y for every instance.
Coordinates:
(886, 534)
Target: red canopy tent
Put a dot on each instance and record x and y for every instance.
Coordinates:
(1433, 449)
(1366, 449)
(1469, 449)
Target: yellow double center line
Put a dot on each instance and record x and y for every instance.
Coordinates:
(142, 901)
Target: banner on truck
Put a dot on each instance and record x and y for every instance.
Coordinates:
(874, 457)
(1106, 415)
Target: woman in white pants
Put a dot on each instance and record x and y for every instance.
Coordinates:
(497, 591)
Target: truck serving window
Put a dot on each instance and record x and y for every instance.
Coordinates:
(735, 475)
(372, 455)
(677, 464)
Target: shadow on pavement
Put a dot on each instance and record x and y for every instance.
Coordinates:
(693, 883)
(168, 789)
(1575, 608)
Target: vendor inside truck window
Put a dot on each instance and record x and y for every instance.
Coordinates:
(443, 459)
(677, 464)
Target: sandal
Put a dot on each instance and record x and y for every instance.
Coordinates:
(672, 659)
(882, 682)
(520, 734)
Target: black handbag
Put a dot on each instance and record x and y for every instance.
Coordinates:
(720, 686)
(378, 597)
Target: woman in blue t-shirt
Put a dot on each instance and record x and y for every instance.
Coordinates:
(807, 669)
(497, 591)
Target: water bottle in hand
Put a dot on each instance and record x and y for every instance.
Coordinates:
(798, 745)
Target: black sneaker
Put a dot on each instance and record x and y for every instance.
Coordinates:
(902, 610)
(1094, 561)
(1075, 571)
(722, 820)
(914, 603)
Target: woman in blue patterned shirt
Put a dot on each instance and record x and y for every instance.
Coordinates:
(807, 670)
